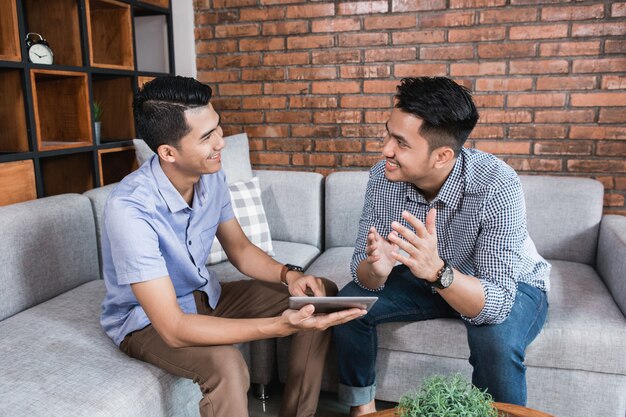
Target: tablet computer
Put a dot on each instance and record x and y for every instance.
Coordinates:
(332, 304)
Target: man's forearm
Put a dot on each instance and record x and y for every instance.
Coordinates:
(466, 294)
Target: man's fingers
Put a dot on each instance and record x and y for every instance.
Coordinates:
(420, 229)
(431, 221)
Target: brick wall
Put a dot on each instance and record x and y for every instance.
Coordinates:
(311, 82)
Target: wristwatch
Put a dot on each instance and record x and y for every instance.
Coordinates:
(445, 276)
(287, 268)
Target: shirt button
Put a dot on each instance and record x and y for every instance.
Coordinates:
(189, 242)
(199, 269)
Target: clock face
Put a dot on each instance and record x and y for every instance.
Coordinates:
(40, 54)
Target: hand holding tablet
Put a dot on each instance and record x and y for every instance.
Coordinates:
(332, 304)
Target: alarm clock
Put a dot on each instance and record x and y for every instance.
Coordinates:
(39, 51)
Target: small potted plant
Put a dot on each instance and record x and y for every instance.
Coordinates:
(442, 396)
(97, 117)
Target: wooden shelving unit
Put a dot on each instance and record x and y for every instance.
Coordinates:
(47, 140)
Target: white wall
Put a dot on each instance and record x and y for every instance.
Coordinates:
(184, 39)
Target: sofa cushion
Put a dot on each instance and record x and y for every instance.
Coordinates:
(583, 321)
(235, 157)
(56, 353)
(48, 246)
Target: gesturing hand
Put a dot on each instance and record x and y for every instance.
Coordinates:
(305, 319)
(298, 287)
(379, 254)
(420, 245)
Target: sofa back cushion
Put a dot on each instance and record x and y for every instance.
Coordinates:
(345, 193)
(48, 247)
(564, 216)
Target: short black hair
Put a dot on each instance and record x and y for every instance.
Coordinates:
(447, 109)
(159, 108)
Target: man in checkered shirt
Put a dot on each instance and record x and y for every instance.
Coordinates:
(443, 234)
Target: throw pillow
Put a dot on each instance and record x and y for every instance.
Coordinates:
(246, 200)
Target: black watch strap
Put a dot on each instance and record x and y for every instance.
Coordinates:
(287, 268)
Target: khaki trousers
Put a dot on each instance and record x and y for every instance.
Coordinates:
(221, 371)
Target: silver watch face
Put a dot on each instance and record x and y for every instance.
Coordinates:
(447, 277)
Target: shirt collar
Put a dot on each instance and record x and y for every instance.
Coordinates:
(170, 194)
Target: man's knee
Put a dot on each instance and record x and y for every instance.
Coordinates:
(226, 369)
(487, 342)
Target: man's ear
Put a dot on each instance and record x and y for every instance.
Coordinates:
(167, 153)
(443, 156)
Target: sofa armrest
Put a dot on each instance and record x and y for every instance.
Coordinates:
(293, 203)
(611, 263)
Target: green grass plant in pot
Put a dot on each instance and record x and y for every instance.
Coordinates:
(97, 117)
(446, 396)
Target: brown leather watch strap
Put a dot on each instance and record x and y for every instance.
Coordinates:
(283, 275)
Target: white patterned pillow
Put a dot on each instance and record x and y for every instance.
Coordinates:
(248, 207)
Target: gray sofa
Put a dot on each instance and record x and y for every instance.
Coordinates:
(56, 361)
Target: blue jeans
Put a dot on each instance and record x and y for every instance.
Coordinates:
(496, 351)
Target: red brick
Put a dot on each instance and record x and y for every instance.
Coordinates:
(263, 74)
(620, 183)
(374, 146)
(337, 116)
(262, 158)
(336, 57)
(614, 149)
(290, 116)
(286, 59)
(390, 22)
(613, 200)
(360, 131)
(203, 33)
(508, 15)
(216, 47)
(536, 100)
(445, 20)
(537, 132)
(618, 212)
(564, 116)
(612, 115)
(217, 76)
(338, 145)
(607, 182)
(418, 37)
(286, 88)
(566, 83)
(598, 99)
(563, 148)
(238, 61)
(314, 159)
(315, 131)
(240, 89)
(618, 9)
(310, 42)
(600, 65)
(487, 132)
(569, 48)
(598, 132)
(476, 35)
(568, 13)
(310, 10)
(290, 145)
(241, 117)
(599, 29)
(419, 70)
(614, 82)
(539, 67)
(504, 84)
(594, 165)
(275, 2)
(362, 101)
(335, 87)
(504, 148)
(324, 73)
(366, 71)
(313, 102)
(268, 44)
(205, 62)
(285, 28)
(485, 68)
(612, 46)
(229, 31)
(363, 39)
(377, 116)
(232, 129)
(538, 32)
(390, 54)
(360, 160)
(505, 116)
(262, 13)
(267, 131)
(336, 25)
(535, 164)
(489, 100)
(447, 53)
(512, 50)
(264, 102)
(254, 144)
(380, 86)
(475, 4)
(417, 5)
(362, 7)
(217, 4)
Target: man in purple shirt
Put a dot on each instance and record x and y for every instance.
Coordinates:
(163, 306)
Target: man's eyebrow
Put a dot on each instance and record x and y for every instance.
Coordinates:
(219, 119)
(396, 136)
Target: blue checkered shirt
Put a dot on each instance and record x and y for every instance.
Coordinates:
(481, 227)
